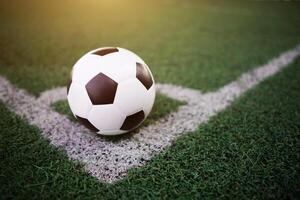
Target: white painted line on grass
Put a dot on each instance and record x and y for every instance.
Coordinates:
(110, 160)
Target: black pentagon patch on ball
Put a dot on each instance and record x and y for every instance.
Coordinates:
(144, 76)
(101, 89)
(103, 52)
(87, 124)
(133, 120)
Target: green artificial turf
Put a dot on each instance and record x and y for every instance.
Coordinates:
(248, 151)
(63, 108)
(162, 106)
(197, 44)
(251, 150)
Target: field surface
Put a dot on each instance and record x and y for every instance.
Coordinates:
(243, 147)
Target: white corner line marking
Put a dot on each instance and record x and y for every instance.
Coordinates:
(110, 160)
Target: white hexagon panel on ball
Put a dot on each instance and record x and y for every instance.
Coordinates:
(112, 90)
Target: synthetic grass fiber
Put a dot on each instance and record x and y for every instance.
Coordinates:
(248, 151)
(197, 44)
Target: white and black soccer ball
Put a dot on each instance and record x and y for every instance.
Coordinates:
(112, 90)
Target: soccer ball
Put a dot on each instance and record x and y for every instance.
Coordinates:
(111, 91)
